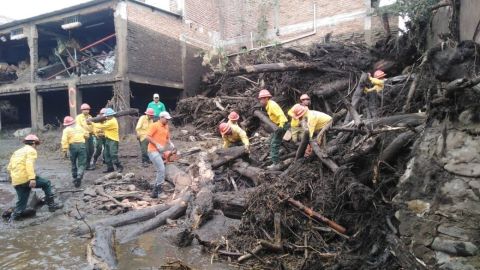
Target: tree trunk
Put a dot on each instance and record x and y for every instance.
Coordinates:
(253, 173)
(227, 155)
(398, 144)
(330, 89)
(131, 111)
(123, 219)
(101, 250)
(323, 157)
(177, 210)
(178, 177)
(357, 95)
(232, 204)
(412, 119)
(273, 67)
(267, 123)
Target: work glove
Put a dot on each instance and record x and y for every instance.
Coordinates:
(247, 149)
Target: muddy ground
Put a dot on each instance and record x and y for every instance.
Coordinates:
(45, 241)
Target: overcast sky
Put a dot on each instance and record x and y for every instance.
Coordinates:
(21, 9)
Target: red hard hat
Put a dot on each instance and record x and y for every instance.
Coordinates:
(304, 96)
(103, 110)
(299, 111)
(233, 116)
(68, 120)
(31, 137)
(224, 128)
(85, 106)
(264, 93)
(379, 74)
(150, 111)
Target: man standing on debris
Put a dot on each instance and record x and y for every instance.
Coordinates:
(22, 172)
(73, 141)
(143, 126)
(158, 137)
(112, 137)
(372, 93)
(81, 120)
(314, 122)
(232, 134)
(157, 106)
(275, 113)
(99, 140)
(295, 127)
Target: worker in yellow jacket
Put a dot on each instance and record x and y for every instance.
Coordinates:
(81, 120)
(314, 122)
(143, 125)
(99, 137)
(233, 118)
(233, 135)
(377, 81)
(295, 127)
(276, 114)
(22, 173)
(73, 141)
(112, 138)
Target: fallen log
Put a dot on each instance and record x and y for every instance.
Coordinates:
(460, 84)
(100, 191)
(315, 215)
(101, 250)
(178, 177)
(177, 210)
(357, 95)
(269, 125)
(324, 157)
(123, 219)
(329, 89)
(232, 204)
(272, 67)
(362, 151)
(253, 173)
(227, 155)
(131, 111)
(411, 119)
(398, 144)
(203, 207)
(303, 145)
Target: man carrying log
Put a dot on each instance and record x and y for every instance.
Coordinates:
(157, 106)
(112, 137)
(143, 125)
(314, 122)
(22, 172)
(99, 140)
(295, 127)
(73, 141)
(81, 120)
(233, 135)
(158, 137)
(276, 115)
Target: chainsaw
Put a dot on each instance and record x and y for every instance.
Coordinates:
(172, 156)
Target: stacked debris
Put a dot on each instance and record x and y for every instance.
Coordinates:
(12, 73)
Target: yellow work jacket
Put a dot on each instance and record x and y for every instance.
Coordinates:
(378, 85)
(81, 120)
(73, 134)
(97, 131)
(238, 134)
(143, 125)
(316, 120)
(22, 165)
(276, 113)
(110, 128)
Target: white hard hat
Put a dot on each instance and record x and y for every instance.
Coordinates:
(165, 115)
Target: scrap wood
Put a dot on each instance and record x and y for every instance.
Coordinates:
(101, 250)
(101, 191)
(130, 111)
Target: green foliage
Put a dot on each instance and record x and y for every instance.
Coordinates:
(417, 10)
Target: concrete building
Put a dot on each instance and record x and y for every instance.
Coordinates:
(120, 52)
(101, 52)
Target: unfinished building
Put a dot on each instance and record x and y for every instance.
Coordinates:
(104, 52)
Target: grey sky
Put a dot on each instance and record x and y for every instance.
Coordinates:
(21, 9)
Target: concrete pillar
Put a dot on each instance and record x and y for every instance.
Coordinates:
(74, 99)
(120, 20)
(33, 46)
(368, 22)
(33, 108)
(183, 44)
(40, 122)
(122, 88)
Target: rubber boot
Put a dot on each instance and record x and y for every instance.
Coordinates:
(119, 168)
(156, 191)
(77, 182)
(94, 163)
(52, 205)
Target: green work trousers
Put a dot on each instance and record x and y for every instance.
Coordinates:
(143, 149)
(276, 142)
(99, 146)
(23, 192)
(78, 158)
(111, 153)
(90, 147)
